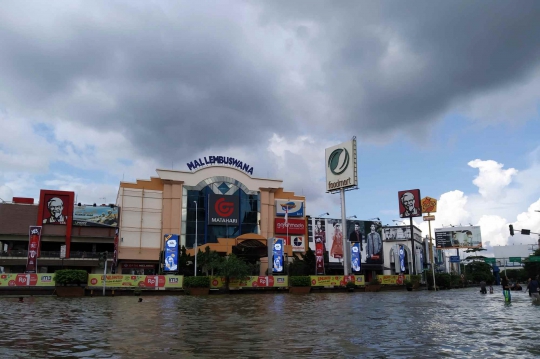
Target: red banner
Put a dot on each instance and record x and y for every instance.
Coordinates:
(115, 254)
(33, 248)
(319, 255)
(295, 226)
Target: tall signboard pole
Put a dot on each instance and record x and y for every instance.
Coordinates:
(409, 206)
(341, 174)
(429, 205)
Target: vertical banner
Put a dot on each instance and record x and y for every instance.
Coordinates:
(355, 257)
(33, 247)
(278, 255)
(115, 253)
(171, 253)
(319, 255)
(402, 259)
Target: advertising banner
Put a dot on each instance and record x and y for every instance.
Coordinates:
(355, 257)
(223, 210)
(277, 257)
(429, 205)
(402, 258)
(251, 282)
(27, 280)
(336, 280)
(298, 243)
(341, 166)
(115, 253)
(334, 240)
(409, 203)
(296, 226)
(136, 281)
(458, 237)
(316, 229)
(90, 216)
(294, 208)
(319, 256)
(171, 253)
(393, 279)
(33, 248)
(56, 207)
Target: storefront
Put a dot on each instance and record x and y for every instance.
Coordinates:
(219, 204)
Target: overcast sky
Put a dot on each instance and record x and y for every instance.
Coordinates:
(442, 96)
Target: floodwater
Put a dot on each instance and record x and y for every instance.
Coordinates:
(455, 324)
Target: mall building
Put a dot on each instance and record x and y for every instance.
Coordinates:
(221, 206)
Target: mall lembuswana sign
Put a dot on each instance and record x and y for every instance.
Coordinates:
(220, 160)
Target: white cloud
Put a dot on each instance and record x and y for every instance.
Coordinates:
(491, 178)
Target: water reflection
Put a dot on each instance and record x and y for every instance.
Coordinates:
(459, 323)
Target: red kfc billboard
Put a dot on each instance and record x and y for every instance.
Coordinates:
(409, 203)
(295, 226)
(56, 208)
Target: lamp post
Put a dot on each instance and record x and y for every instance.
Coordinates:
(196, 234)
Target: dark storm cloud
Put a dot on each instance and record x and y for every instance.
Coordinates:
(443, 51)
(186, 77)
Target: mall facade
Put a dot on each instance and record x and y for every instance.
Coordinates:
(221, 206)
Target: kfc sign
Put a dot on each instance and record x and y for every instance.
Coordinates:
(294, 226)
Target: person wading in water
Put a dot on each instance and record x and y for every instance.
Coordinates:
(506, 289)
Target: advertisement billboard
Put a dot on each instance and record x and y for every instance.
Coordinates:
(355, 257)
(90, 216)
(56, 207)
(251, 282)
(291, 226)
(277, 256)
(223, 210)
(298, 243)
(458, 237)
(402, 259)
(341, 166)
(33, 248)
(171, 253)
(328, 232)
(294, 208)
(136, 281)
(27, 280)
(409, 203)
(336, 280)
(429, 205)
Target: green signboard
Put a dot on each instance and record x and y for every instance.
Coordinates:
(533, 259)
(515, 259)
(489, 260)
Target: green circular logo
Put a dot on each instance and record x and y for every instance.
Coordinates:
(338, 161)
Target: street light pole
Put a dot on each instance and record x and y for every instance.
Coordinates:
(196, 234)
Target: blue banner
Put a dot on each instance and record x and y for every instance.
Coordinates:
(454, 259)
(355, 257)
(402, 258)
(171, 253)
(278, 255)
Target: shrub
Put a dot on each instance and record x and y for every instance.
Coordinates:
(408, 284)
(415, 278)
(70, 276)
(350, 284)
(374, 281)
(197, 282)
(300, 281)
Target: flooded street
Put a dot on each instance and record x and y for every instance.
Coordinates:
(456, 323)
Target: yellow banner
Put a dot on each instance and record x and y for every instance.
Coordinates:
(27, 280)
(335, 280)
(136, 281)
(251, 282)
(393, 279)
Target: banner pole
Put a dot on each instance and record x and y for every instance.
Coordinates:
(413, 247)
(104, 276)
(432, 255)
(346, 266)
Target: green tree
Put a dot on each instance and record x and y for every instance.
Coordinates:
(185, 263)
(298, 266)
(310, 260)
(208, 260)
(533, 268)
(233, 267)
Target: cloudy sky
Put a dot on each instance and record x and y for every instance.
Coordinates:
(442, 96)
